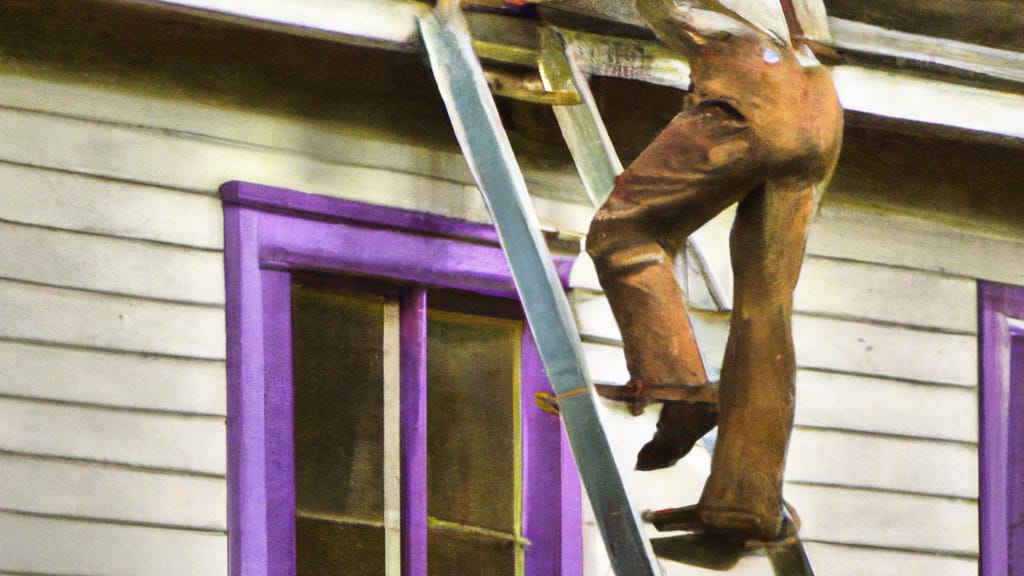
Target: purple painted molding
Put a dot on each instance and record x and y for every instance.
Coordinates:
(1000, 443)
(279, 403)
(336, 210)
(270, 232)
(552, 499)
(414, 432)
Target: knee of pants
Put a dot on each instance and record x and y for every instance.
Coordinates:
(626, 258)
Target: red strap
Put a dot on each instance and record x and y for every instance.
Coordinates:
(795, 29)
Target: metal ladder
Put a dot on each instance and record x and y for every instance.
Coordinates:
(485, 145)
(460, 79)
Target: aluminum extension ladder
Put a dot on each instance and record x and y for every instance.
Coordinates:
(485, 145)
(460, 79)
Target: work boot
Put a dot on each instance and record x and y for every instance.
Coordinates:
(680, 426)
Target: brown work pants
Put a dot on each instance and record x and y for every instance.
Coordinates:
(705, 160)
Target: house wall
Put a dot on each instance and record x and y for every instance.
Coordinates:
(112, 343)
(112, 384)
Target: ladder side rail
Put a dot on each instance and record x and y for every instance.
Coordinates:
(487, 150)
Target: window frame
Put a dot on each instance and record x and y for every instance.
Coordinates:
(269, 233)
(1001, 348)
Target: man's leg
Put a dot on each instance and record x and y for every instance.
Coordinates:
(756, 393)
(701, 163)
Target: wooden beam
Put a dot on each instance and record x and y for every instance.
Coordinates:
(885, 94)
(903, 97)
(389, 24)
(861, 38)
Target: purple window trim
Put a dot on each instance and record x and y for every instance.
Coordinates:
(413, 333)
(999, 417)
(269, 232)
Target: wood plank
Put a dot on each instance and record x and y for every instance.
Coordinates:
(331, 142)
(903, 97)
(822, 343)
(605, 363)
(73, 202)
(70, 317)
(850, 561)
(900, 464)
(845, 289)
(43, 545)
(190, 162)
(98, 492)
(164, 441)
(128, 267)
(914, 243)
(850, 402)
(839, 345)
(923, 523)
(365, 21)
(112, 379)
(854, 36)
(338, 143)
(872, 292)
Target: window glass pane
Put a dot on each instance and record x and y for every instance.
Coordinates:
(460, 554)
(472, 457)
(338, 363)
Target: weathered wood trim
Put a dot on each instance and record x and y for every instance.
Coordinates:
(370, 22)
(392, 24)
(902, 97)
(853, 36)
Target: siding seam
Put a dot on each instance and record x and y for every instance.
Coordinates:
(113, 521)
(107, 463)
(122, 238)
(112, 407)
(101, 350)
(98, 292)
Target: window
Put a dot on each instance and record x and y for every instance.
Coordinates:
(380, 383)
(1002, 429)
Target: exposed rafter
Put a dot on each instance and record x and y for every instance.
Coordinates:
(885, 93)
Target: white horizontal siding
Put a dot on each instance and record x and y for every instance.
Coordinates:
(847, 290)
(150, 440)
(101, 492)
(870, 404)
(879, 293)
(852, 561)
(184, 161)
(886, 520)
(125, 380)
(41, 545)
(876, 236)
(888, 463)
(851, 347)
(99, 263)
(894, 352)
(67, 201)
(75, 318)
